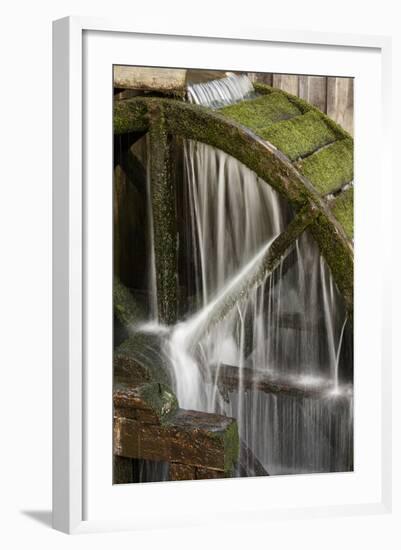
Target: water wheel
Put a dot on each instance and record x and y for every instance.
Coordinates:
(287, 142)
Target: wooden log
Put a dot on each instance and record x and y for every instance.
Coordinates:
(164, 218)
(192, 438)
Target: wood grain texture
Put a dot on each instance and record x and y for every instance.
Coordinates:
(286, 82)
(340, 101)
(150, 78)
(314, 90)
(264, 78)
(181, 472)
(185, 441)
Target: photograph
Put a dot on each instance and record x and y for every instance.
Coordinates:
(233, 238)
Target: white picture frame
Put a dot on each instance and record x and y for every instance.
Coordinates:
(73, 479)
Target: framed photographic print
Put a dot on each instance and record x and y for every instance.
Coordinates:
(219, 324)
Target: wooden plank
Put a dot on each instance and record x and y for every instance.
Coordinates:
(314, 90)
(286, 82)
(150, 78)
(340, 101)
(263, 78)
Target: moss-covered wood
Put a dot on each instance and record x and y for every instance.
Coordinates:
(202, 124)
(338, 254)
(140, 359)
(299, 136)
(149, 403)
(330, 168)
(305, 107)
(164, 216)
(262, 111)
(343, 209)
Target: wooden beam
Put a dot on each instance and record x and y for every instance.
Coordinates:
(230, 378)
(287, 82)
(162, 191)
(150, 79)
(314, 90)
(191, 438)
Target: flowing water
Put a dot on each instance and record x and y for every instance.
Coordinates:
(223, 91)
(287, 325)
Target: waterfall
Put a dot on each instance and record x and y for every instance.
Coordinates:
(291, 326)
(223, 91)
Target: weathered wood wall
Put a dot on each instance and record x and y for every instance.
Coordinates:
(332, 95)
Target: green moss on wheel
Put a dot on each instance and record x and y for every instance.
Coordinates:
(338, 255)
(296, 138)
(299, 136)
(305, 107)
(343, 210)
(330, 168)
(164, 216)
(260, 112)
(125, 112)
